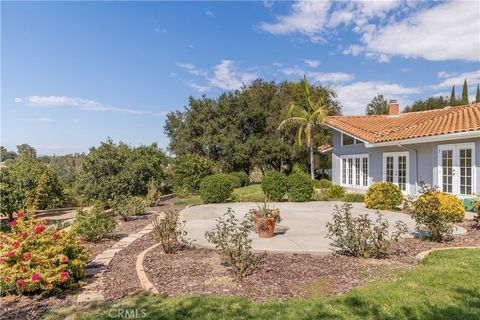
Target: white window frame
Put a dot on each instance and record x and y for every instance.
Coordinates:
(353, 185)
(456, 167)
(395, 156)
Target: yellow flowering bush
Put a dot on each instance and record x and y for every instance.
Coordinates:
(383, 196)
(36, 258)
(437, 212)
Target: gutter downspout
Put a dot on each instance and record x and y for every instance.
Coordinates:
(416, 164)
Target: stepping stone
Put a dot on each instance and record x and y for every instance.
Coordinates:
(114, 251)
(93, 271)
(103, 261)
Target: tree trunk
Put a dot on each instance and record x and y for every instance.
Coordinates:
(312, 163)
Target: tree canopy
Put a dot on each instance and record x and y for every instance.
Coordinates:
(238, 129)
(378, 105)
(118, 169)
(429, 103)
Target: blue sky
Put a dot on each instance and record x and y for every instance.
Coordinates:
(76, 73)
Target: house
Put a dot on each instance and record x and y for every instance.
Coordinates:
(438, 147)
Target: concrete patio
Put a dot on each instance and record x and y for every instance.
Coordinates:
(302, 230)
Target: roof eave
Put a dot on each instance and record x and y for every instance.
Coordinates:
(348, 133)
(439, 137)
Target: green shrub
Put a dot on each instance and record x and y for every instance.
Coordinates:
(300, 187)
(94, 225)
(299, 168)
(232, 238)
(190, 170)
(437, 212)
(360, 236)
(36, 258)
(383, 196)
(335, 192)
(235, 181)
(476, 210)
(322, 184)
(126, 206)
(153, 194)
(244, 178)
(169, 231)
(274, 185)
(216, 188)
(354, 197)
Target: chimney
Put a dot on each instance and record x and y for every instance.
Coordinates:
(393, 108)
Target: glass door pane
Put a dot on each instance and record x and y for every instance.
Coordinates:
(447, 170)
(357, 171)
(389, 169)
(350, 171)
(402, 172)
(465, 165)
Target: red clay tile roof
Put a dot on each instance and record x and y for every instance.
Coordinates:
(409, 125)
(325, 147)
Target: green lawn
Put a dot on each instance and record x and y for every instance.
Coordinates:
(252, 192)
(446, 286)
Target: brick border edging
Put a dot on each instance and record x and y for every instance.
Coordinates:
(146, 284)
(423, 254)
(102, 260)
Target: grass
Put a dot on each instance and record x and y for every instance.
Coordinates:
(446, 286)
(189, 201)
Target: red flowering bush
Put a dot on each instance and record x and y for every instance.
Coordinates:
(36, 258)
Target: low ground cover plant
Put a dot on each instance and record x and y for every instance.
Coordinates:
(40, 259)
(243, 177)
(437, 212)
(216, 188)
(354, 197)
(169, 231)
(231, 239)
(127, 206)
(95, 224)
(476, 210)
(360, 236)
(274, 185)
(300, 187)
(383, 196)
(335, 192)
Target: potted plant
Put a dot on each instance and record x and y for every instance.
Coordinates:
(265, 219)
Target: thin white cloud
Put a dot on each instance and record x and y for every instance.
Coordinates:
(332, 77)
(45, 119)
(447, 31)
(226, 76)
(357, 95)
(456, 79)
(308, 18)
(159, 30)
(434, 31)
(82, 104)
(210, 14)
(312, 63)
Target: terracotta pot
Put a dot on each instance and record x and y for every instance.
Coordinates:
(265, 227)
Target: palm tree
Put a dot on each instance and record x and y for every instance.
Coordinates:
(305, 115)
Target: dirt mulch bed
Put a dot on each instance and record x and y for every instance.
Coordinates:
(283, 276)
(123, 229)
(120, 279)
(407, 249)
(32, 307)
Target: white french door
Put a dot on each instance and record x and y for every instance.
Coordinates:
(456, 168)
(396, 169)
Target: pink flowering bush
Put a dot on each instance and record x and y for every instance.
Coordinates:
(36, 258)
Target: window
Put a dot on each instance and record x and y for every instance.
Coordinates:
(365, 171)
(347, 140)
(354, 171)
